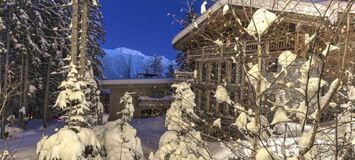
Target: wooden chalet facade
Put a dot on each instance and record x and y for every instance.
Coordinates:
(214, 63)
(150, 96)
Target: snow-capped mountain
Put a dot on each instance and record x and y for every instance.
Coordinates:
(124, 63)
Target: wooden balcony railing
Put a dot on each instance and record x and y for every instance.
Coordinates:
(277, 44)
(184, 76)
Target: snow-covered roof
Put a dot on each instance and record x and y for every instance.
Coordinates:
(137, 81)
(290, 6)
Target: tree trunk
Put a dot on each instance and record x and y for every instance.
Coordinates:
(74, 46)
(46, 97)
(22, 94)
(84, 38)
(6, 79)
(26, 89)
(74, 32)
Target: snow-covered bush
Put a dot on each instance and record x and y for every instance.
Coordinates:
(288, 121)
(181, 141)
(69, 145)
(119, 137)
(120, 141)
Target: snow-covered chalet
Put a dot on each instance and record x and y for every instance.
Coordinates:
(210, 43)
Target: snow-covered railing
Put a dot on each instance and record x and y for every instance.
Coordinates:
(153, 106)
(278, 44)
(184, 76)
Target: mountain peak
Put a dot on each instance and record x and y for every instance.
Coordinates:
(129, 51)
(122, 63)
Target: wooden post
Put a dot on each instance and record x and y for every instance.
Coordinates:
(200, 70)
(203, 53)
(242, 76)
(228, 72)
(199, 98)
(219, 72)
(219, 80)
(208, 74)
(208, 100)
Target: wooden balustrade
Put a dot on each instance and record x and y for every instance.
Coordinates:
(277, 44)
(184, 76)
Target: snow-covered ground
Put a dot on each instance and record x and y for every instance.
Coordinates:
(23, 145)
(149, 130)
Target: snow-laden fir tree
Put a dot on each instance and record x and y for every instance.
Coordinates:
(86, 72)
(72, 99)
(181, 141)
(92, 94)
(74, 141)
(119, 137)
(155, 66)
(36, 39)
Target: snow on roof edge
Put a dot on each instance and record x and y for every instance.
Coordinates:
(291, 6)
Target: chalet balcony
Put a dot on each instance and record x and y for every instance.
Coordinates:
(270, 45)
(183, 76)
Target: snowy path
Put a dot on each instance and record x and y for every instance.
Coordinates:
(149, 130)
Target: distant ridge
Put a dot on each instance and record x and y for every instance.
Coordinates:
(125, 63)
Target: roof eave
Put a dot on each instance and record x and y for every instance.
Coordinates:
(219, 4)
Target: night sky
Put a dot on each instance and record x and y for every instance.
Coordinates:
(142, 25)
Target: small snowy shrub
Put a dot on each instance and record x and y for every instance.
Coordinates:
(119, 137)
(64, 145)
(181, 141)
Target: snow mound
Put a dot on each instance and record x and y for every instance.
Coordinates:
(14, 131)
(65, 144)
(119, 140)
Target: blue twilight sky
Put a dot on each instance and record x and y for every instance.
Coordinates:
(142, 25)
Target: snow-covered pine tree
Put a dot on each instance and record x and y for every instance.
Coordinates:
(86, 73)
(95, 38)
(72, 99)
(92, 94)
(171, 71)
(57, 35)
(181, 141)
(6, 41)
(155, 66)
(128, 109)
(32, 42)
